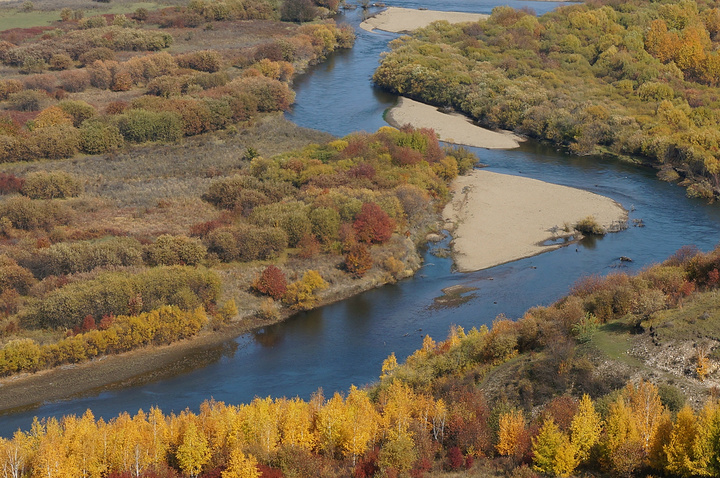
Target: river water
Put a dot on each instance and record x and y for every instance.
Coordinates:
(345, 343)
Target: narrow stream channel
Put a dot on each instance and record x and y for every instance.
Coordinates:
(344, 343)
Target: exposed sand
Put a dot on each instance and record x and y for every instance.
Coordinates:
(401, 20)
(451, 128)
(497, 218)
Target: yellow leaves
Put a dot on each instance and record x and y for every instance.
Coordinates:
(193, 452)
(296, 424)
(585, 428)
(388, 366)
(241, 466)
(647, 410)
(301, 295)
(52, 116)
(554, 453)
(703, 362)
(510, 433)
(681, 450)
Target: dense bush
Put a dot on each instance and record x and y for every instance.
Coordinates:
(78, 110)
(99, 136)
(272, 282)
(14, 276)
(28, 214)
(209, 61)
(139, 126)
(9, 183)
(158, 327)
(175, 250)
(111, 293)
(27, 100)
(51, 185)
(72, 257)
(372, 224)
(302, 294)
(246, 243)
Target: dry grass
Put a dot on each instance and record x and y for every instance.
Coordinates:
(143, 176)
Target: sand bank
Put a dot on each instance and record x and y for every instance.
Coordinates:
(451, 128)
(498, 218)
(401, 20)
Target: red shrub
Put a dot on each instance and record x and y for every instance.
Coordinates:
(405, 156)
(367, 466)
(202, 229)
(268, 472)
(271, 282)
(9, 183)
(562, 409)
(362, 170)
(88, 323)
(372, 224)
(422, 466)
(455, 459)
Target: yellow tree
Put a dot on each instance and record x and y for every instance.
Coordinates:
(708, 444)
(398, 402)
(553, 453)
(681, 450)
(510, 433)
(14, 455)
(241, 466)
(122, 439)
(646, 410)
(388, 366)
(621, 439)
(81, 441)
(159, 433)
(331, 425)
(262, 418)
(398, 453)
(51, 459)
(438, 416)
(362, 422)
(193, 452)
(296, 424)
(585, 428)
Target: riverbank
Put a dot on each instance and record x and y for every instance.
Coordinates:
(452, 128)
(149, 364)
(403, 20)
(497, 218)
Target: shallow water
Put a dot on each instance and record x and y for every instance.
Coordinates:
(345, 343)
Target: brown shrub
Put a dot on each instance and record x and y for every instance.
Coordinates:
(204, 60)
(358, 260)
(74, 81)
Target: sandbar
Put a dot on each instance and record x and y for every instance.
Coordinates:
(402, 20)
(450, 127)
(497, 218)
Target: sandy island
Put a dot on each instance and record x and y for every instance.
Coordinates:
(401, 20)
(497, 218)
(451, 128)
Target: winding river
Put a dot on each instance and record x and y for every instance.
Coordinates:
(344, 343)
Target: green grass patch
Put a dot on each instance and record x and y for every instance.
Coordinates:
(614, 339)
(14, 18)
(697, 318)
